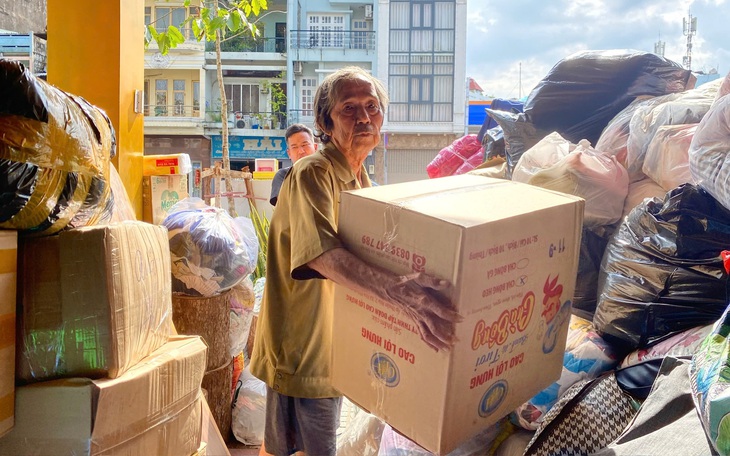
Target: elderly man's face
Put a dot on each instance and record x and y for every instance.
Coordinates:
(356, 118)
(299, 145)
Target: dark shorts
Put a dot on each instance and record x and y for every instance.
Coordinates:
(296, 424)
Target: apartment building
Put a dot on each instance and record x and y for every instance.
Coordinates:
(416, 47)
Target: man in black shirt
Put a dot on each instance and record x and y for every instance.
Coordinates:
(299, 144)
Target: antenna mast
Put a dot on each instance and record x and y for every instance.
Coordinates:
(659, 47)
(689, 29)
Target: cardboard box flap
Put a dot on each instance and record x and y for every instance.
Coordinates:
(160, 386)
(465, 200)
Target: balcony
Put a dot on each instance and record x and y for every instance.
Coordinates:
(247, 122)
(173, 119)
(306, 39)
(246, 43)
(190, 44)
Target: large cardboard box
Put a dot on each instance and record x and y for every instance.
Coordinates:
(94, 300)
(153, 409)
(511, 252)
(160, 193)
(8, 268)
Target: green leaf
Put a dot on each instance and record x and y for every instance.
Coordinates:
(234, 20)
(175, 35)
(198, 29)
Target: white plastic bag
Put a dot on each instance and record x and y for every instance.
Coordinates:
(556, 164)
(709, 153)
(667, 157)
(249, 409)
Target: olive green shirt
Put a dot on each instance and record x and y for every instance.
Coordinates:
(292, 350)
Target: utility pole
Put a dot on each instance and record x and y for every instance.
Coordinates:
(689, 29)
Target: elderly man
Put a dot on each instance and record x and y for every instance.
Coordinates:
(299, 144)
(292, 350)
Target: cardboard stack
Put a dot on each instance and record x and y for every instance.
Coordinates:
(100, 370)
(165, 182)
(511, 252)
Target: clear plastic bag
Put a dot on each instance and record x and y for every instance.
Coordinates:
(667, 157)
(556, 164)
(210, 251)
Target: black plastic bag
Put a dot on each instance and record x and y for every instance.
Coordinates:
(583, 92)
(55, 150)
(662, 272)
(592, 246)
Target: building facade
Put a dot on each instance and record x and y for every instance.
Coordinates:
(416, 47)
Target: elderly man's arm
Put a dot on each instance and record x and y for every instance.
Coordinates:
(419, 295)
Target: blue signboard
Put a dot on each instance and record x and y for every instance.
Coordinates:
(248, 147)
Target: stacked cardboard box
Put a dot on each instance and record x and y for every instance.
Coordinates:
(94, 300)
(101, 372)
(165, 183)
(154, 408)
(511, 252)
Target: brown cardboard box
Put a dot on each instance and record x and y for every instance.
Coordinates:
(95, 300)
(8, 267)
(155, 408)
(511, 252)
(160, 193)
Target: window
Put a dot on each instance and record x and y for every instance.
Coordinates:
(178, 94)
(243, 98)
(421, 60)
(326, 30)
(147, 21)
(360, 34)
(160, 97)
(196, 98)
(166, 16)
(309, 86)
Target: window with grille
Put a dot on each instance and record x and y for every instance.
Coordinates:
(360, 31)
(160, 97)
(243, 98)
(178, 94)
(421, 60)
(196, 97)
(326, 30)
(309, 86)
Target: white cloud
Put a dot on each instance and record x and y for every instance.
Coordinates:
(504, 33)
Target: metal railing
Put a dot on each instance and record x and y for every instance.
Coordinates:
(331, 39)
(300, 116)
(245, 43)
(171, 111)
(251, 120)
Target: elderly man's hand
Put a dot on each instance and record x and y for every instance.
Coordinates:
(420, 295)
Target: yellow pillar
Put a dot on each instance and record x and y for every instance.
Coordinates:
(96, 50)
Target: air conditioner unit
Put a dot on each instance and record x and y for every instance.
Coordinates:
(298, 67)
(368, 11)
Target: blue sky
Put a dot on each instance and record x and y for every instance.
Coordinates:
(526, 38)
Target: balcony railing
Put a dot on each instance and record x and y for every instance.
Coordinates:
(251, 120)
(171, 111)
(245, 43)
(332, 39)
(300, 115)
